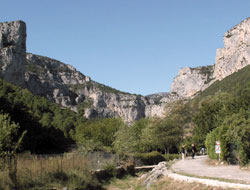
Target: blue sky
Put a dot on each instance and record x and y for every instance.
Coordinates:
(136, 46)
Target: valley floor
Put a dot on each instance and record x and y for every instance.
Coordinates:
(191, 174)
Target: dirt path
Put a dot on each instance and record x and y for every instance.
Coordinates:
(199, 167)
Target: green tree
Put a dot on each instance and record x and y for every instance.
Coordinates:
(100, 133)
(163, 135)
(10, 142)
(206, 119)
(128, 139)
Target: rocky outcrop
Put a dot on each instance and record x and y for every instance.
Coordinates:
(52, 79)
(157, 104)
(236, 53)
(189, 81)
(233, 57)
(66, 86)
(13, 51)
(151, 177)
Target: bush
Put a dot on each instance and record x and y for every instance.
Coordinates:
(106, 174)
(234, 137)
(58, 176)
(151, 158)
(169, 157)
(82, 181)
(238, 138)
(130, 169)
(210, 143)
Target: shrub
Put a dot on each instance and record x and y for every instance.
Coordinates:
(58, 176)
(234, 137)
(130, 169)
(106, 174)
(150, 158)
(169, 157)
(238, 135)
(83, 180)
(120, 172)
(210, 143)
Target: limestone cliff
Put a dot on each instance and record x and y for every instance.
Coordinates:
(233, 57)
(13, 51)
(192, 80)
(63, 84)
(66, 86)
(236, 53)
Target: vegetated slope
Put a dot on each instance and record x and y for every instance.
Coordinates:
(231, 84)
(222, 114)
(48, 126)
(219, 91)
(234, 56)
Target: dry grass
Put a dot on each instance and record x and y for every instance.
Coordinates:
(127, 183)
(40, 164)
(169, 184)
(36, 171)
(165, 183)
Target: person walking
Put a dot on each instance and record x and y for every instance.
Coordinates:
(183, 152)
(193, 151)
(203, 151)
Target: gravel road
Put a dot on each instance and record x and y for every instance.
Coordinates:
(199, 167)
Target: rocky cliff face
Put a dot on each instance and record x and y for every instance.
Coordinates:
(13, 51)
(192, 80)
(233, 57)
(236, 53)
(66, 86)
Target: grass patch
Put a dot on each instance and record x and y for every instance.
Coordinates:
(212, 178)
(169, 184)
(50, 172)
(165, 183)
(128, 182)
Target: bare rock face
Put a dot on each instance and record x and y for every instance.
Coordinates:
(236, 53)
(51, 78)
(13, 51)
(233, 57)
(157, 104)
(66, 86)
(192, 80)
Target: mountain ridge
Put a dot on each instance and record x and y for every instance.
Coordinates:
(63, 84)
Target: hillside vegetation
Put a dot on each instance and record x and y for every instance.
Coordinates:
(223, 112)
(232, 84)
(49, 128)
(220, 113)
